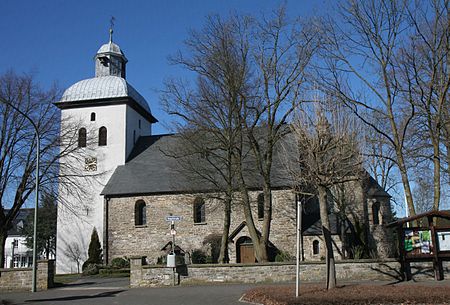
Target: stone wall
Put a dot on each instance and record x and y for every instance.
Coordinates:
(308, 253)
(126, 239)
(21, 278)
(381, 239)
(351, 270)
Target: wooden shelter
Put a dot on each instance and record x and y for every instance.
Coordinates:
(422, 238)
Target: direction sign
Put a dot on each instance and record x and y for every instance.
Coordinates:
(173, 218)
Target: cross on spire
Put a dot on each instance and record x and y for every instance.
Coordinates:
(111, 28)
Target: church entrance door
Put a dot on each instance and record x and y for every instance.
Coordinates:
(245, 250)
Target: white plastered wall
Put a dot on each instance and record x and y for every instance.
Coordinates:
(133, 131)
(80, 205)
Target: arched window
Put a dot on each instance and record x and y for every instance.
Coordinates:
(315, 247)
(376, 213)
(92, 116)
(199, 210)
(140, 213)
(82, 137)
(260, 205)
(102, 136)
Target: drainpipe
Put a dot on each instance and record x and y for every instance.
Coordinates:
(105, 231)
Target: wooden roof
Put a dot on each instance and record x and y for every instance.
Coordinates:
(441, 214)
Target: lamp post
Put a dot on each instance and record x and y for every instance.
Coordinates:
(299, 251)
(38, 144)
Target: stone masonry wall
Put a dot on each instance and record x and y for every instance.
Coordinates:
(308, 253)
(364, 270)
(127, 239)
(21, 278)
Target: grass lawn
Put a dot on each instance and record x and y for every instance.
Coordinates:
(61, 279)
(315, 294)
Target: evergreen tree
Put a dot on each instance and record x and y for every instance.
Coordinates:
(95, 249)
(46, 227)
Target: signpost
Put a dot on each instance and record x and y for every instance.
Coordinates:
(173, 218)
(173, 232)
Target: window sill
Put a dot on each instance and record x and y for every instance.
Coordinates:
(140, 226)
(200, 223)
(260, 219)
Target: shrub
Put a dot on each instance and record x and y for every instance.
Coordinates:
(198, 257)
(90, 269)
(284, 257)
(114, 272)
(358, 252)
(120, 262)
(213, 241)
(162, 260)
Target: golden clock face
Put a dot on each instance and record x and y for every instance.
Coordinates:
(90, 164)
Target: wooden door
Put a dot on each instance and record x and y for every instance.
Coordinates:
(247, 253)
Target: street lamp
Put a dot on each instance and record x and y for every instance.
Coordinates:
(297, 256)
(38, 145)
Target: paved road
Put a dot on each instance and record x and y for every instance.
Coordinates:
(116, 291)
(108, 291)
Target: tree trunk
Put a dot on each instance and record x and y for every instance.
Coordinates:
(267, 216)
(330, 265)
(260, 249)
(3, 236)
(223, 255)
(436, 176)
(406, 185)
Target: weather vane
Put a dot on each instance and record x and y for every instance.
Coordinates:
(111, 27)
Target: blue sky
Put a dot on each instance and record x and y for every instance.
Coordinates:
(57, 40)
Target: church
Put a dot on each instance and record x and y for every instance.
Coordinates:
(125, 185)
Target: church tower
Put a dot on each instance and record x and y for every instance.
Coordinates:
(110, 60)
(101, 120)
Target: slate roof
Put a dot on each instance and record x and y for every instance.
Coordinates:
(104, 87)
(315, 227)
(373, 189)
(110, 47)
(152, 168)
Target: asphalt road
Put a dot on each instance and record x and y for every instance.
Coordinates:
(115, 291)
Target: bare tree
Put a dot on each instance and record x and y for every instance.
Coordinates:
(18, 146)
(380, 160)
(360, 54)
(74, 252)
(422, 190)
(388, 61)
(207, 114)
(251, 73)
(426, 81)
(282, 50)
(328, 156)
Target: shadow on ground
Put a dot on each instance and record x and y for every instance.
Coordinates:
(79, 297)
(59, 285)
